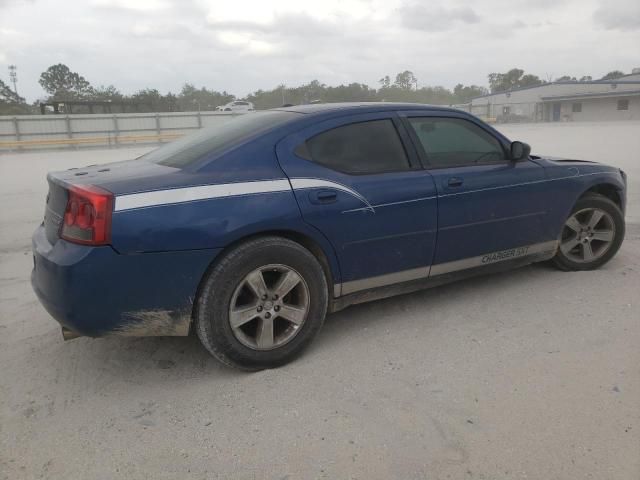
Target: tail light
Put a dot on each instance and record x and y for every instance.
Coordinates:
(87, 217)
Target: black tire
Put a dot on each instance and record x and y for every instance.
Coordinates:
(593, 201)
(212, 322)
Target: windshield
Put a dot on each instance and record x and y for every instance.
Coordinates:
(188, 150)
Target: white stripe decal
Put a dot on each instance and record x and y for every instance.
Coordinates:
(201, 192)
(545, 249)
(206, 192)
(494, 257)
(304, 183)
(380, 205)
(500, 187)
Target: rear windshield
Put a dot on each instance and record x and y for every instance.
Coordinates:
(188, 150)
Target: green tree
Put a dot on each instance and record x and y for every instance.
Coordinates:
(354, 92)
(385, 82)
(435, 96)
(529, 81)
(10, 102)
(464, 94)
(103, 93)
(152, 99)
(275, 97)
(191, 98)
(586, 78)
(149, 99)
(63, 84)
(314, 91)
(514, 78)
(7, 95)
(565, 78)
(405, 80)
(613, 75)
(500, 82)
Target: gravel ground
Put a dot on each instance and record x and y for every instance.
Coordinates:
(530, 374)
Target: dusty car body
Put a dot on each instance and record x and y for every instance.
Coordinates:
(384, 198)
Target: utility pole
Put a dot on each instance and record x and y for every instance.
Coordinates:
(13, 77)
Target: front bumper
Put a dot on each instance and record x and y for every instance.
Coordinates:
(96, 291)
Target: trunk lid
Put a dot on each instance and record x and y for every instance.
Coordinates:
(118, 178)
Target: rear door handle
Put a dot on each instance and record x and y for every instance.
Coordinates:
(454, 182)
(324, 196)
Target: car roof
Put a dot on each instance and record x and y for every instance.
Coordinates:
(362, 107)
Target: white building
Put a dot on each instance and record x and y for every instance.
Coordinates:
(563, 101)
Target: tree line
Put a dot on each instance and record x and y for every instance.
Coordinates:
(62, 84)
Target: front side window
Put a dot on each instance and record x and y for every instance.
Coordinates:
(359, 148)
(576, 107)
(623, 104)
(450, 142)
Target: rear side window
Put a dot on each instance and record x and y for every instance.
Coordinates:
(359, 148)
(189, 149)
(450, 142)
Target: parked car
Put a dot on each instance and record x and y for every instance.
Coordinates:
(250, 232)
(238, 106)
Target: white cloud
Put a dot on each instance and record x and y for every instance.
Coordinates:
(245, 42)
(620, 15)
(139, 5)
(434, 18)
(266, 12)
(242, 45)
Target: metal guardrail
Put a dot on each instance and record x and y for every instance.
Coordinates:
(109, 141)
(28, 132)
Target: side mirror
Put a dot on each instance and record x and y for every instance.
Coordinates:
(519, 150)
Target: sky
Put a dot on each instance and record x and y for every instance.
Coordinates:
(242, 46)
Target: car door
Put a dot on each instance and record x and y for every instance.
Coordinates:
(358, 180)
(490, 208)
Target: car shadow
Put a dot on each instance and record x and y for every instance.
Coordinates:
(432, 302)
(429, 302)
(174, 359)
(180, 357)
(141, 359)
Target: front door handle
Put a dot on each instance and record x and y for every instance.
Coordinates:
(454, 182)
(323, 196)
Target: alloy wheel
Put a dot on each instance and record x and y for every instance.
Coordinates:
(587, 235)
(268, 307)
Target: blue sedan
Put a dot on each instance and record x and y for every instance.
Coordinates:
(251, 232)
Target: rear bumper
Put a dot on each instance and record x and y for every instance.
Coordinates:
(95, 291)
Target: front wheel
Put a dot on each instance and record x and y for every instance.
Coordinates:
(592, 234)
(262, 304)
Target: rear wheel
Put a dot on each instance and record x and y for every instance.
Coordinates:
(262, 304)
(592, 234)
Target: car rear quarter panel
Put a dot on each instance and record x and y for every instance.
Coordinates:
(94, 291)
(218, 222)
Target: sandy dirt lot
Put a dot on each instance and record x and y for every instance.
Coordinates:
(530, 374)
